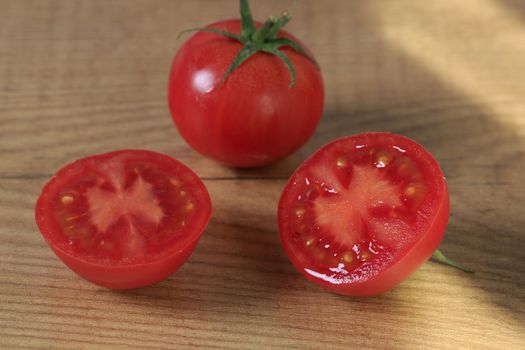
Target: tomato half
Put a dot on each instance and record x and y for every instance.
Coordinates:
(254, 117)
(363, 213)
(123, 219)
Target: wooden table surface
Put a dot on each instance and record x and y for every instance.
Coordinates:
(89, 76)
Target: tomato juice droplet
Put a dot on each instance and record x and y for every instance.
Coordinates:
(369, 199)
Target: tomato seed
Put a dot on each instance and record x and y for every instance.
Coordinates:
(410, 190)
(348, 257)
(309, 241)
(67, 199)
(105, 245)
(300, 211)
(383, 159)
(182, 193)
(405, 167)
(341, 163)
(364, 256)
(190, 206)
(175, 182)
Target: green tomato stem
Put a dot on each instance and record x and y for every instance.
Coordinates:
(255, 40)
(440, 257)
(259, 37)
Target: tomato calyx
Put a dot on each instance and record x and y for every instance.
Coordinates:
(440, 257)
(254, 40)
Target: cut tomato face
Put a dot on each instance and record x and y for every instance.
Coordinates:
(124, 219)
(363, 213)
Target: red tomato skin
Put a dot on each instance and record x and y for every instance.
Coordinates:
(126, 276)
(253, 118)
(413, 258)
(129, 276)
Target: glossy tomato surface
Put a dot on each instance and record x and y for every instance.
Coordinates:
(124, 219)
(254, 117)
(363, 213)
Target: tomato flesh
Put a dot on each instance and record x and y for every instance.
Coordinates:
(124, 219)
(363, 213)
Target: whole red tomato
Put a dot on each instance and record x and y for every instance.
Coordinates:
(243, 93)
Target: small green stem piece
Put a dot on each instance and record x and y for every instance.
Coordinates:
(279, 24)
(212, 30)
(248, 25)
(286, 61)
(245, 53)
(280, 42)
(440, 257)
(260, 35)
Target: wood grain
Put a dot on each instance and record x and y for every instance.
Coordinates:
(82, 77)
